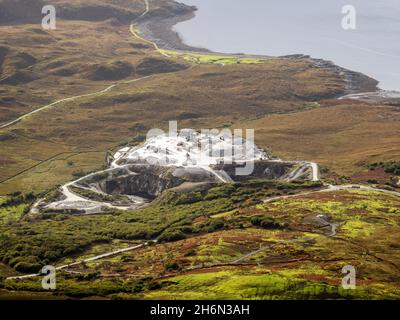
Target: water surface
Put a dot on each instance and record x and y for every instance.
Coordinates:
(314, 27)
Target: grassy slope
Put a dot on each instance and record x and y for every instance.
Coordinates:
(343, 137)
(63, 72)
(301, 261)
(213, 97)
(51, 237)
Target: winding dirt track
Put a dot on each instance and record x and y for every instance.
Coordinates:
(332, 188)
(147, 9)
(101, 256)
(97, 93)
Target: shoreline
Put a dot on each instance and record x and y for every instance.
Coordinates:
(160, 30)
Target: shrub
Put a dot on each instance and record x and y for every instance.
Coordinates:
(154, 285)
(189, 198)
(190, 253)
(214, 225)
(187, 229)
(211, 226)
(393, 167)
(389, 167)
(171, 235)
(27, 267)
(173, 266)
(14, 194)
(220, 192)
(267, 223)
(17, 198)
(88, 276)
(138, 287)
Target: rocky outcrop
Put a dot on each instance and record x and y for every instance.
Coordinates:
(146, 185)
(263, 169)
(149, 181)
(146, 181)
(171, 9)
(356, 82)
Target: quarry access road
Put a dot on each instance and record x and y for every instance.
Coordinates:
(333, 188)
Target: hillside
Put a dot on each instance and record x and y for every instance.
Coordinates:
(71, 99)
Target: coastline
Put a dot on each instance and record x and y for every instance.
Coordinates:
(159, 29)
